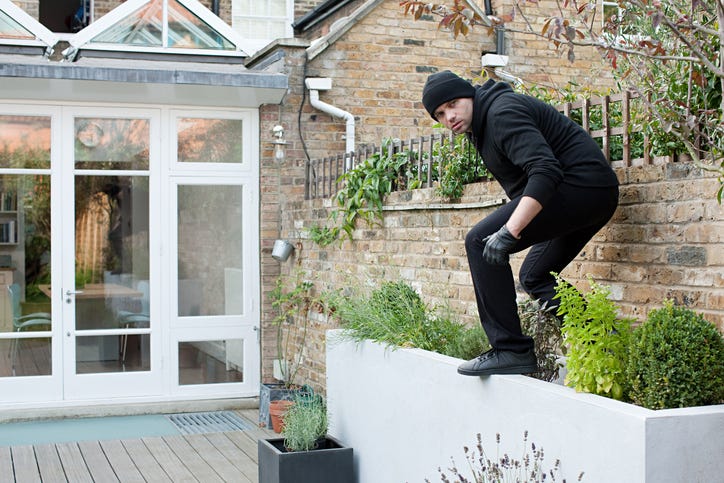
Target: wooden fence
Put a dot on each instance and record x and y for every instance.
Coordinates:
(608, 119)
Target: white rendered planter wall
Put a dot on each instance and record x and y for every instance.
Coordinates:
(406, 412)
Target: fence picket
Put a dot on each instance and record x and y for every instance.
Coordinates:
(421, 150)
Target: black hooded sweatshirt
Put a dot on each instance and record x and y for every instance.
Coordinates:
(530, 147)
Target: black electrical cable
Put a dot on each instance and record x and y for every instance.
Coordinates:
(301, 105)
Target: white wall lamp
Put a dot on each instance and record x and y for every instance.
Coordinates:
(282, 250)
(279, 143)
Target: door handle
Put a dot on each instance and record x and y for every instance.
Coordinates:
(68, 293)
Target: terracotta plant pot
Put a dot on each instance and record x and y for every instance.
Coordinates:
(277, 410)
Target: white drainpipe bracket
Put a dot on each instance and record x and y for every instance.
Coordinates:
(316, 84)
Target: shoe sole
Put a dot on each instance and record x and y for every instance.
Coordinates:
(501, 371)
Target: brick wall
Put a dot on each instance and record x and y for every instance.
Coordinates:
(535, 60)
(664, 242)
(31, 7)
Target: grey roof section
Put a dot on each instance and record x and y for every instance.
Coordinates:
(319, 13)
(120, 79)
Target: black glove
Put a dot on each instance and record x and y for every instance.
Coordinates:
(498, 246)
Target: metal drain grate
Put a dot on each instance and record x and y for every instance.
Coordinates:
(210, 422)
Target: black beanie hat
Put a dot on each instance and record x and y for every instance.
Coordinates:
(442, 87)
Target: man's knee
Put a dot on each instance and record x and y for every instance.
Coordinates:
(535, 285)
(472, 242)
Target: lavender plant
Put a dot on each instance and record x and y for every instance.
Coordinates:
(504, 469)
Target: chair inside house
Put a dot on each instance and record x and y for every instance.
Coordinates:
(129, 319)
(27, 322)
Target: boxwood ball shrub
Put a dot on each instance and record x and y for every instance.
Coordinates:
(676, 359)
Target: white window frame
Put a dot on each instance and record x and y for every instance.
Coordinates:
(258, 43)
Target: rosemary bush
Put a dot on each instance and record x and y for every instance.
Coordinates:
(394, 314)
(305, 423)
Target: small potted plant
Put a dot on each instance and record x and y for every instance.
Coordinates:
(305, 453)
(291, 323)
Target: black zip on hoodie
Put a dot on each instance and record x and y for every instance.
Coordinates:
(530, 147)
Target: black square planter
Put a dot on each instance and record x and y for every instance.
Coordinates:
(330, 463)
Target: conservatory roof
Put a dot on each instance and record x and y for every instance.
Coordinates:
(182, 27)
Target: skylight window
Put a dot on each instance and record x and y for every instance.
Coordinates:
(179, 26)
(10, 29)
(146, 27)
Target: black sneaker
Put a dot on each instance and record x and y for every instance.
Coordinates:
(496, 361)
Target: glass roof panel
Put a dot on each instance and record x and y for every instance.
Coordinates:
(145, 27)
(10, 29)
(187, 30)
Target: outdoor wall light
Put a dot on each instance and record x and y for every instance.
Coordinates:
(281, 250)
(279, 143)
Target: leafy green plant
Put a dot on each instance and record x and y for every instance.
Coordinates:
(676, 360)
(394, 314)
(540, 323)
(596, 338)
(291, 321)
(365, 186)
(363, 192)
(305, 422)
(502, 469)
(459, 164)
(323, 235)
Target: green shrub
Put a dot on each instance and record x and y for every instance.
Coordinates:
(596, 338)
(676, 360)
(395, 315)
(305, 422)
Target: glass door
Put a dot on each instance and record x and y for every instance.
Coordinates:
(110, 325)
(29, 352)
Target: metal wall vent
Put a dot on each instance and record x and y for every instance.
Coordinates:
(209, 422)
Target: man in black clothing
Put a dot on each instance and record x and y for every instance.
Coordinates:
(562, 192)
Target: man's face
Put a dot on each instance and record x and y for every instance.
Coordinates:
(456, 115)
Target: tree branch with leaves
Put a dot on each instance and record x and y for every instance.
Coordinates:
(670, 52)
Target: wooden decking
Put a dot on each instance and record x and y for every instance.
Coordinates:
(205, 458)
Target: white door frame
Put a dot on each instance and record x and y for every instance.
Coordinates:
(109, 384)
(245, 326)
(62, 389)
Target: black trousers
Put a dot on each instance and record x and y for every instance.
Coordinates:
(555, 237)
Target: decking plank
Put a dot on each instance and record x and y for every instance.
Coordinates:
(142, 458)
(235, 454)
(121, 462)
(248, 445)
(197, 465)
(206, 458)
(6, 464)
(171, 464)
(73, 463)
(217, 460)
(96, 461)
(51, 469)
(24, 464)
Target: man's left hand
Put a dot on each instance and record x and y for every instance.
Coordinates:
(498, 247)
